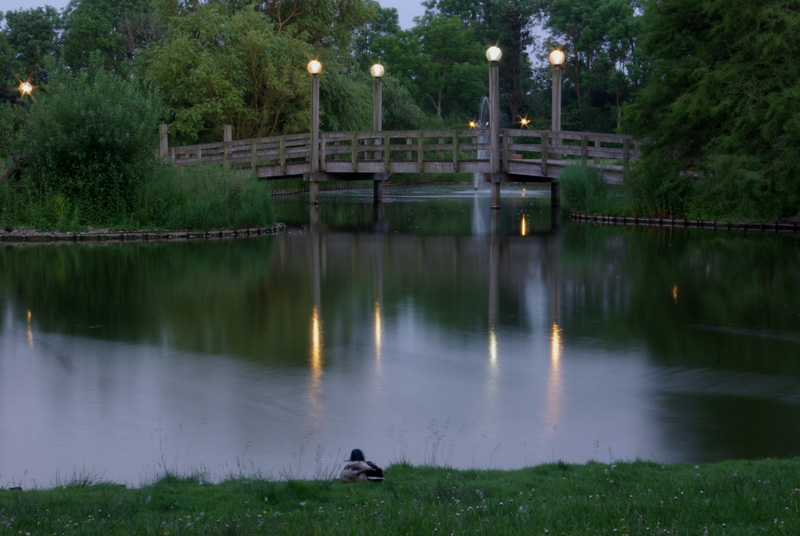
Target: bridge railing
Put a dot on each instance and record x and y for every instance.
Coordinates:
(289, 153)
(408, 151)
(413, 151)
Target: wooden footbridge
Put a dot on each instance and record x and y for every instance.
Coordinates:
(525, 156)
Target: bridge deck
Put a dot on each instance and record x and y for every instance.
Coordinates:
(526, 155)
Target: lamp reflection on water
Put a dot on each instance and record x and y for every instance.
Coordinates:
(675, 294)
(315, 384)
(524, 229)
(378, 331)
(554, 385)
(316, 342)
(30, 331)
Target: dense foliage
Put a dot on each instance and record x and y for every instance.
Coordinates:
(713, 85)
(91, 140)
(720, 107)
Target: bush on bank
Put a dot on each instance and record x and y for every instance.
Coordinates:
(89, 160)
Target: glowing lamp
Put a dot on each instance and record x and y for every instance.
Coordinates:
(314, 67)
(557, 58)
(377, 70)
(493, 54)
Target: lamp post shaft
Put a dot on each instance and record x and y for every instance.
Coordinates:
(377, 104)
(494, 132)
(377, 125)
(313, 185)
(556, 109)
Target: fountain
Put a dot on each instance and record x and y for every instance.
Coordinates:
(483, 124)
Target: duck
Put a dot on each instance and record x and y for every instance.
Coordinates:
(357, 469)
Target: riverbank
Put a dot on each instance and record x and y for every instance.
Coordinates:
(105, 235)
(730, 498)
(784, 226)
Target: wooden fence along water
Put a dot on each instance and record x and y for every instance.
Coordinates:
(526, 155)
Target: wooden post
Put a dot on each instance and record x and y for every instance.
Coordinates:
(164, 141)
(455, 151)
(227, 138)
(494, 132)
(386, 157)
(626, 151)
(377, 126)
(313, 185)
(283, 154)
(323, 153)
(420, 152)
(253, 155)
(506, 151)
(544, 154)
(584, 149)
(354, 152)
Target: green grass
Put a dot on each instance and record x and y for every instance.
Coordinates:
(169, 197)
(730, 498)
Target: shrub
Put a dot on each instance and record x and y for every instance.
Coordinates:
(656, 187)
(92, 140)
(583, 189)
(202, 198)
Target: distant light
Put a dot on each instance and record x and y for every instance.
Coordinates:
(473, 124)
(314, 67)
(557, 57)
(377, 70)
(26, 88)
(525, 122)
(493, 54)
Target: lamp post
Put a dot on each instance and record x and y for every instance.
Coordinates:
(314, 68)
(557, 58)
(493, 54)
(377, 71)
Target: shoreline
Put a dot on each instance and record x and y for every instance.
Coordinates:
(781, 226)
(29, 236)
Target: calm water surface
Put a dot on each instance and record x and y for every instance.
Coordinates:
(426, 330)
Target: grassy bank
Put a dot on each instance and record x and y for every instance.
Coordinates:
(649, 194)
(167, 197)
(731, 498)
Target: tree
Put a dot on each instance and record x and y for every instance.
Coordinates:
(442, 65)
(367, 47)
(243, 62)
(117, 30)
(508, 24)
(599, 38)
(720, 102)
(31, 36)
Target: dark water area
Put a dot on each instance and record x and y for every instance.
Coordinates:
(427, 329)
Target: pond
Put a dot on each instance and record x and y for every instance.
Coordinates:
(426, 329)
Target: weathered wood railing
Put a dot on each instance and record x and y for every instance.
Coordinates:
(523, 152)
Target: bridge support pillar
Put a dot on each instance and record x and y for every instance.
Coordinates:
(555, 204)
(377, 191)
(313, 192)
(495, 203)
(555, 195)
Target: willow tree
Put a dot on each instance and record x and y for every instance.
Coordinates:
(243, 62)
(720, 105)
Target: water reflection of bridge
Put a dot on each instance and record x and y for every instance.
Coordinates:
(448, 262)
(446, 272)
(525, 156)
